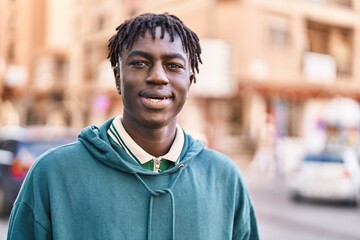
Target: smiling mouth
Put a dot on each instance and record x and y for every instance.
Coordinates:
(156, 103)
(157, 99)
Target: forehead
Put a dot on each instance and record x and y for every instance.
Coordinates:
(157, 44)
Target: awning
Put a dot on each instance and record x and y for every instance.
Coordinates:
(297, 90)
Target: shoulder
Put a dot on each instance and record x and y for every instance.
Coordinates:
(215, 158)
(58, 155)
(218, 164)
(48, 168)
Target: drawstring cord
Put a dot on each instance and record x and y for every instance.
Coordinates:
(155, 193)
(166, 190)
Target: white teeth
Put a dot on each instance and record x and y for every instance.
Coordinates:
(155, 99)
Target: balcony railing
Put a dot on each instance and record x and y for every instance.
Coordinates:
(341, 3)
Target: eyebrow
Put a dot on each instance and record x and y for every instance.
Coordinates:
(141, 54)
(149, 56)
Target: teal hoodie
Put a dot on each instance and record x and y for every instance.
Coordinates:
(92, 189)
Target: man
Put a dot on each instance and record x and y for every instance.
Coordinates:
(139, 175)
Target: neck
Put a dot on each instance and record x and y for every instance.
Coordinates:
(155, 140)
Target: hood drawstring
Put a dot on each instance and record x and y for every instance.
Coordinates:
(155, 193)
(160, 192)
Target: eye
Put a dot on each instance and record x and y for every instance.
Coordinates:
(139, 64)
(174, 66)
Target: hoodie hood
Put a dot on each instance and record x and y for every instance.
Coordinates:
(97, 142)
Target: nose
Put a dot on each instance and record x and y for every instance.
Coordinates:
(157, 75)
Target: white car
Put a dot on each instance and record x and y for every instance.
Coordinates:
(333, 174)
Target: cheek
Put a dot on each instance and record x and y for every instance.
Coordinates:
(186, 86)
(128, 88)
(128, 80)
(183, 91)
(182, 80)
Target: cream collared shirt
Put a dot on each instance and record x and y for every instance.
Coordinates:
(118, 133)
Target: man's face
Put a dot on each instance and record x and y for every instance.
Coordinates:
(154, 78)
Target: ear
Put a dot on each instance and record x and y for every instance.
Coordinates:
(192, 78)
(117, 78)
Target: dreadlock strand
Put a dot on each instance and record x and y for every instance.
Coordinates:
(133, 33)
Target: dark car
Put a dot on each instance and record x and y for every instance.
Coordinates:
(19, 148)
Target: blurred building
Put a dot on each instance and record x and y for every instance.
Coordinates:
(34, 61)
(280, 58)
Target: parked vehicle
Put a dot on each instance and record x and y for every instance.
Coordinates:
(333, 174)
(19, 148)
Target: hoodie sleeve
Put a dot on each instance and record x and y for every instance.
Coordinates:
(29, 217)
(23, 225)
(248, 230)
(245, 224)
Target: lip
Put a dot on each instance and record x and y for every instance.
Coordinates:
(155, 99)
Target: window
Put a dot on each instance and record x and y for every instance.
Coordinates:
(288, 117)
(11, 52)
(342, 3)
(221, 1)
(278, 30)
(333, 41)
(61, 69)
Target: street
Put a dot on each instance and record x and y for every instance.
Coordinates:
(3, 228)
(279, 218)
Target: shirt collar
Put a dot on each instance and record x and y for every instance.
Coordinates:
(141, 155)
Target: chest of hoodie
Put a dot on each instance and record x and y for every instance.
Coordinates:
(122, 202)
(92, 194)
(198, 185)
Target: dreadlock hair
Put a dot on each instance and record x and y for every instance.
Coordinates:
(131, 29)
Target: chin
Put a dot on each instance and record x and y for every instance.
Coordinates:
(157, 120)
